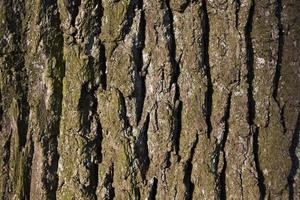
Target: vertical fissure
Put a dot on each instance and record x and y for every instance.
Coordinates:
(220, 171)
(188, 168)
(16, 62)
(27, 169)
(153, 189)
(260, 175)
(127, 22)
(139, 75)
(294, 158)
(280, 39)
(141, 149)
(73, 8)
(222, 177)
(251, 102)
(128, 147)
(276, 80)
(90, 128)
(53, 49)
(23, 105)
(108, 183)
(170, 36)
(237, 10)
(103, 67)
(205, 61)
(176, 127)
(250, 67)
(89, 116)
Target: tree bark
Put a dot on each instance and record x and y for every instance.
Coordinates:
(149, 99)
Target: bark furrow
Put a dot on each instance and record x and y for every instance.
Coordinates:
(129, 99)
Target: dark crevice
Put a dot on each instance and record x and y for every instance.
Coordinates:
(97, 65)
(221, 182)
(139, 76)
(176, 127)
(123, 110)
(73, 9)
(184, 5)
(260, 175)
(16, 84)
(189, 185)
(49, 138)
(205, 61)
(27, 169)
(102, 50)
(90, 126)
(169, 35)
(93, 137)
(103, 67)
(50, 143)
(237, 10)
(282, 118)
(251, 102)
(88, 115)
(108, 183)
(127, 131)
(250, 68)
(14, 17)
(220, 151)
(280, 48)
(92, 161)
(277, 75)
(294, 158)
(85, 106)
(241, 183)
(141, 149)
(167, 162)
(88, 102)
(222, 179)
(127, 23)
(153, 189)
(22, 102)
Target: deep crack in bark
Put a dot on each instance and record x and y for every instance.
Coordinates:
(139, 76)
(205, 61)
(153, 189)
(280, 48)
(188, 168)
(222, 176)
(141, 149)
(294, 158)
(251, 102)
(169, 34)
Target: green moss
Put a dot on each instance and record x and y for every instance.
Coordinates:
(66, 195)
(114, 15)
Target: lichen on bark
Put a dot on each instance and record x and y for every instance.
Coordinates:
(146, 99)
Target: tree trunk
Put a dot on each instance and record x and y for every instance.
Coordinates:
(153, 99)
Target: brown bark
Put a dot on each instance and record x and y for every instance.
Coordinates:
(169, 99)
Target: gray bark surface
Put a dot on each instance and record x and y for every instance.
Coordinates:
(149, 99)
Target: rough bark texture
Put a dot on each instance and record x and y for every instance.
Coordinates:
(149, 99)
